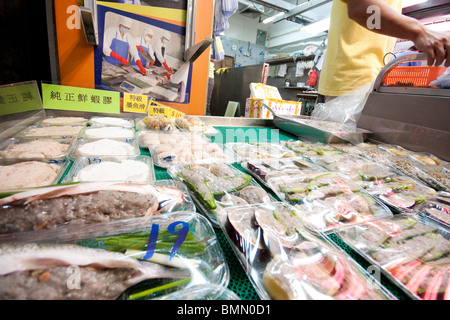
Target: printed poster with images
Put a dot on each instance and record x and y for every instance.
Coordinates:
(141, 55)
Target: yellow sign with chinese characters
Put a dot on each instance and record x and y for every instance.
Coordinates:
(136, 103)
(155, 108)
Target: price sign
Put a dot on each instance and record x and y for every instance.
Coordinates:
(136, 103)
(181, 233)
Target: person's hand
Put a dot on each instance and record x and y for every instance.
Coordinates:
(435, 45)
(141, 67)
(121, 59)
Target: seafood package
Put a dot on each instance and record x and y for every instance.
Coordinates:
(286, 262)
(184, 148)
(411, 251)
(258, 150)
(63, 121)
(66, 207)
(108, 132)
(195, 124)
(156, 123)
(202, 292)
(436, 176)
(42, 149)
(327, 200)
(399, 191)
(100, 121)
(265, 169)
(437, 208)
(218, 186)
(95, 149)
(65, 131)
(30, 174)
(147, 259)
(127, 169)
(308, 149)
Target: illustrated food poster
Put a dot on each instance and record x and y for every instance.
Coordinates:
(140, 50)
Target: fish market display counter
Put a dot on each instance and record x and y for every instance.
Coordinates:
(336, 222)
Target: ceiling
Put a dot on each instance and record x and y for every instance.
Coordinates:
(303, 12)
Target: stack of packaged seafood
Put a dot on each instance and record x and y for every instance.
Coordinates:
(181, 148)
(129, 236)
(286, 262)
(215, 187)
(412, 251)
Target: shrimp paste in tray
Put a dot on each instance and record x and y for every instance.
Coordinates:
(115, 260)
(412, 251)
(328, 200)
(286, 262)
(74, 206)
(218, 186)
(397, 190)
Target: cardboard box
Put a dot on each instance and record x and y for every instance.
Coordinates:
(254, 108)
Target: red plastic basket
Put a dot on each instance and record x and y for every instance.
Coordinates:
(413, 76)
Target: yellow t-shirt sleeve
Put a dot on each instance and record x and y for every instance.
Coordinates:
(354, 55)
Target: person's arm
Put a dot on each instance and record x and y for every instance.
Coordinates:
(436, 45)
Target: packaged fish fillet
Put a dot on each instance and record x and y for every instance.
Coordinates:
(157, 123)
(142, 259)
(286, 262)
(309, 149)
(195, 124)
(51, 150)
(62, 121)
(437, 208)
(108, 132)
(215, 187)
(411, 250)
(265, 169)
(74, 206)
(258, 150)
(400, 192)
(327, 200)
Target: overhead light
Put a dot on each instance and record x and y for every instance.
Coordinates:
(316, 27)
(270, 19)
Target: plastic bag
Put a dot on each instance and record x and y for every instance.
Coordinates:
(443, 81)
(345, 109)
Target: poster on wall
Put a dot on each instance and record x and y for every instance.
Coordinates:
(141, 55)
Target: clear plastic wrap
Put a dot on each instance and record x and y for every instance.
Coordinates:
(310, 150)
(39, 149)
(215, 187)
(140, 259)
(95, 149)
(202, 292)
(62, 121)
(183, 148)
(258, 150)
(21, 175)
(59, 132)
(327, 200)
(398, 191)
(126, 169)
(107, 132)
(411, 250)
(437, 208)
(99, 121)
(265, 169)
(157, 123)
(286, 262)
(71, 207)
(195, 124)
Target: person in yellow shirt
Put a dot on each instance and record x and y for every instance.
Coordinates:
(361, 33)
